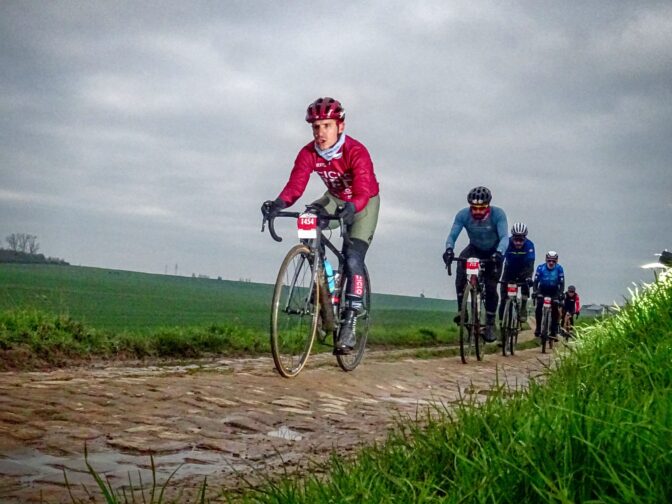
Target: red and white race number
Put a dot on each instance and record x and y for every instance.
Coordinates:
(511, 290)
(306, 226)
(472, 265)
(547, 301)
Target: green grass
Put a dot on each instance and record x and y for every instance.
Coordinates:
(598, 429)
(61, 312)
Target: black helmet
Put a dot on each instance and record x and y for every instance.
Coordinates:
(571, 288)
(479, 196)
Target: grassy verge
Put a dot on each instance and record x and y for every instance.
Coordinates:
(597, 429)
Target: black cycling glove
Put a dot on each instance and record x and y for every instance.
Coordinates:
(347, 213)
(448, 256)
(270, 209)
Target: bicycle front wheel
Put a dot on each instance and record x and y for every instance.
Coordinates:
(468, 324)
(350, 361)
(546, 330)
(294, 311)
(507, 328)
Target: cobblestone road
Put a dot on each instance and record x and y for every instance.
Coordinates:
(215, 420)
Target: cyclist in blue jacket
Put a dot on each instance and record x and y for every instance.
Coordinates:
(518, 267)
(488, 236)
(549, 281)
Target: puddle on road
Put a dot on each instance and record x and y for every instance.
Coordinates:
(285, 432)
(31, 466)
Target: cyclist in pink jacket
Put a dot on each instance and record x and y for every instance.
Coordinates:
(345, 167)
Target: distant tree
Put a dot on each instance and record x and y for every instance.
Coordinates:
(23, 242)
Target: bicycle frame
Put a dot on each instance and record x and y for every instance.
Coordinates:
(546, 321)
(510, 325)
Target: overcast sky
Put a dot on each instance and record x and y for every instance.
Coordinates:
(145, 135)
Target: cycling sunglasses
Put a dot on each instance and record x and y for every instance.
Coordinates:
(479, 207)
(519, 239)
(551, 261)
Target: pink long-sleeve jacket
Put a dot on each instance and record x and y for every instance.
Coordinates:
(350, 177)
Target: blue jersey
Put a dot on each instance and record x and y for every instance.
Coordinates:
(519, 260)
(490, 233)
(549, 281)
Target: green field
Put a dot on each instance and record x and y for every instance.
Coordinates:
(124, 302)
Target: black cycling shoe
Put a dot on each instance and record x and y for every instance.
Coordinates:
(346, 337)
(458, 319)
(489, 334)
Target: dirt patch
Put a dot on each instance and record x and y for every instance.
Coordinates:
(220, 419)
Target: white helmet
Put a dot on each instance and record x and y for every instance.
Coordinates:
(519, 229)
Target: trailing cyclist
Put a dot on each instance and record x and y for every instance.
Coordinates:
(518, 268)
(549, 281)
(488, 235)
(345, 167)
(571, 304)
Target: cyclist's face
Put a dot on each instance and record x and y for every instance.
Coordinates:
(518, 241)
(550, 263)
(326, 131)
(479, 212)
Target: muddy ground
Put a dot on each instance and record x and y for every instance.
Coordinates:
(218, 419)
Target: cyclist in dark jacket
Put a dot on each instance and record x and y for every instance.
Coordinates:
(571, 303)
(345, 167)
(518, 267)
(549, 281)
(488, 236)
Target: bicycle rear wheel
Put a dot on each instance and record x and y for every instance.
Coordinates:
(294, 311)
(350, 361)
(468, 324)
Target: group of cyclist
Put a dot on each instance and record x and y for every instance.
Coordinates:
(345, 167)
(511, 258)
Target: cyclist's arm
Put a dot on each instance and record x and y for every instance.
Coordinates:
(458, 225)
(363, 178)
(298, 178)
(530, 257)
(502, 232)
(535, 283)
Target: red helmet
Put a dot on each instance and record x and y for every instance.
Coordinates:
(325, 108)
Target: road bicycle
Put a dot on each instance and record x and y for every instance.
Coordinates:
(567, 326)
(547, 338)
(472, 311)
(510, 325)
(307, 303)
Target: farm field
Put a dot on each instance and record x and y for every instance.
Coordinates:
(117, 300)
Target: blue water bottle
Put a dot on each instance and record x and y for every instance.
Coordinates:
(329, 272)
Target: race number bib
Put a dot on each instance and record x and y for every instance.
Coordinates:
(511, 290)
(547, 302)
(307, 226)
(472, 265)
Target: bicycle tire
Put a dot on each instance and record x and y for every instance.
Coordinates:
(294, 310)
(508, 328)
(466, 333)
(348, 362)
(515, 327)
(546, 330)
(480, 325)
